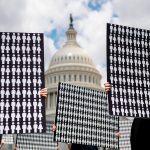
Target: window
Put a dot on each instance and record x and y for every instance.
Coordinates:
(55, 100)
(69, 77)
(96, 80)
(64, 78)
(54, 79)
(51, 100)
(89, 78)
(85, 78)
(59, 78)
(46, 80)
(47, 102)
(93, 80)
(75, 77)
(80, 78)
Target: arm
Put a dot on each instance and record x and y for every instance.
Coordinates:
(107, 89)
(43, 92)
(69, 146)
(118, 135)
(54, 129)
(1, 144)
(15, 147)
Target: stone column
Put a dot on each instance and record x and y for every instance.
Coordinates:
(48, 101)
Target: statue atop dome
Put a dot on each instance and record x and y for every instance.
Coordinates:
(71, 22)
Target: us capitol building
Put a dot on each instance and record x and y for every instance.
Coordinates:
(70, 64)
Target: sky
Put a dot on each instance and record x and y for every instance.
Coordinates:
(51, 17)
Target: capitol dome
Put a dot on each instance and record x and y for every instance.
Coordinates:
(70, 64)
(71, 53)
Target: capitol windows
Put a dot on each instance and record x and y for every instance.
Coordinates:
(75, 78)
(85, 78)
(54, 79)
(65, 57)
(97, 80)
(46, 80)
(69, 57)
(61, 58)
(50, 79)
(59, 78)
(69, 77)
(64, 78)
(80, 77)
(51, 100)
(89, 78)
(46, 104)
(93, 80)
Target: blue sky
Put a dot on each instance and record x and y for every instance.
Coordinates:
(51, 17)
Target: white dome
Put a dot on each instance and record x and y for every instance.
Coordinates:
(71, 53)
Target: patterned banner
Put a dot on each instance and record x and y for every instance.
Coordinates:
(128, 58)
(8, 139)
(22, 110)
(125, 130)
(40, 141)
(82, 117)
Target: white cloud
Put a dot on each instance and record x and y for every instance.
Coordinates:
(49, 51)
(133, 13)
(92, 32)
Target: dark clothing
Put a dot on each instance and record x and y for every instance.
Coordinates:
(140, 133)
(82, 147)
(0, 138)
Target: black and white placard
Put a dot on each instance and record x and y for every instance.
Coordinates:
(125, 131)
(37, 141)
(22, 110)
(128, 58)
(7, 139)
(82, 117)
